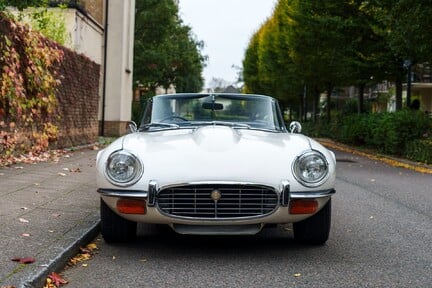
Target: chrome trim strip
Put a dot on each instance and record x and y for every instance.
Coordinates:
(214, 183)
(285, 193)
(244, 229)
(153, 190)
(312, 194)
(123, 193)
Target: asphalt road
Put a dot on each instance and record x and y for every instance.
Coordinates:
(381, 237)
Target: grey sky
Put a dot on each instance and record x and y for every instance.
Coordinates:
(226, 27)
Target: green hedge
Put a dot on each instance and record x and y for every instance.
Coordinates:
(420, 150)
(403, 133)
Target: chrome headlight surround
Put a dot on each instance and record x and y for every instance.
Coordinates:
(123, 168)
(311, 168)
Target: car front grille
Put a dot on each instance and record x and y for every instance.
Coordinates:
(217, 201)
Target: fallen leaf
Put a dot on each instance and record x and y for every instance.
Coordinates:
(91, 246)
(25, 260)
(77, 170)
(85, 254)
(95, 148)
(57, 279)
(49, 284)
(22, 220)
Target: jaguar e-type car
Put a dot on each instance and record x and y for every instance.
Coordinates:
(215, 164)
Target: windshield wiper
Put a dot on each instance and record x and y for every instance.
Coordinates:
(221, 123)
(160, 125)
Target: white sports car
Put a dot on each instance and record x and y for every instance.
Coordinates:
(215, 164)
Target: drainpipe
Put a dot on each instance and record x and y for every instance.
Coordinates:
(105, 68)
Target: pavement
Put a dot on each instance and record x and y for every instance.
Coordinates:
(48, 210)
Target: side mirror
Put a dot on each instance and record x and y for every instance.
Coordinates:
(295, 127)
(133, 127)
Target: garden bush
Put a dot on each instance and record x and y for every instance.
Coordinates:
(399, 133)
(420, 150)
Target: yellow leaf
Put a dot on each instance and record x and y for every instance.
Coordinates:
(92, 246)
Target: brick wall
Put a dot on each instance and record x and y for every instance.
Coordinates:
(78, 100)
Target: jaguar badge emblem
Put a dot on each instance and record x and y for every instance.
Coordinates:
(215, 195)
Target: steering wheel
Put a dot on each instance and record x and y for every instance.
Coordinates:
(172, 117)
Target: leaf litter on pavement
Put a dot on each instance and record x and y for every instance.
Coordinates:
(55, 280)
(31, 158)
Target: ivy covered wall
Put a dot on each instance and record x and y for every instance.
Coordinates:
(48, 93)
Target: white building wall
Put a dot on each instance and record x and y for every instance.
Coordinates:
(119, 63)
(85, 35)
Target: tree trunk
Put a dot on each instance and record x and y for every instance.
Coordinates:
(329, 92)
(301, 108)
(360, 104)
(316, 100)
(399, 88)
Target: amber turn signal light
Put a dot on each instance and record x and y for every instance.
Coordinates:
(131, 206)
(298, 206)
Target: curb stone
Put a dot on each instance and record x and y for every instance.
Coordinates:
(68, 247)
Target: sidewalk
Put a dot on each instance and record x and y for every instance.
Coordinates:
(47, 211)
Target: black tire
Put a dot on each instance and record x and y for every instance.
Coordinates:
(314, 230)
(114, 228)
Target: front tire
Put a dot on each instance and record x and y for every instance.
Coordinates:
(314, 230)
(114, 228)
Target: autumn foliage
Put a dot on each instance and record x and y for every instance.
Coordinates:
(29, 79)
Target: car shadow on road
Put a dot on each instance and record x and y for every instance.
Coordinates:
(163, 239)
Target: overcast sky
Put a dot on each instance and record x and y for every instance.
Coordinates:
(226, 27)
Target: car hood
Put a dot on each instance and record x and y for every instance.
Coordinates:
(216, 153)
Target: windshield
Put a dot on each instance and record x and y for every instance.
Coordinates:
(236, 110)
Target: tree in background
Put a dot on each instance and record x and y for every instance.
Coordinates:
(251, 65)
(320, 45)
(21, 4)
(165, 51)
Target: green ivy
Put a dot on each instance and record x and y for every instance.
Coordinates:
(51, 24)
(28, 81)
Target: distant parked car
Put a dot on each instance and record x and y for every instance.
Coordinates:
(215, 164)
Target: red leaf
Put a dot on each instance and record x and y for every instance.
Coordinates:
(58, 280)
(25, 260)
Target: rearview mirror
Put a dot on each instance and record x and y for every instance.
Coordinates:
(212, 106)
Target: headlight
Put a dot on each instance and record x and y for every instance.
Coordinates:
(311, 169)
(123, 168)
